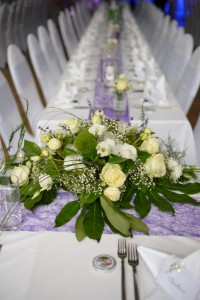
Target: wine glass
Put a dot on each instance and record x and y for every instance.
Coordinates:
(2, 158)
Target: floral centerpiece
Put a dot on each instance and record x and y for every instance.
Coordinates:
(111, 166)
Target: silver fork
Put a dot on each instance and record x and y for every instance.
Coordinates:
(122, 253)
(133, 261)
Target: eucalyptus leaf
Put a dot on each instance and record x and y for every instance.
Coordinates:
(67, 213)
(115, 217)
(142, 204)
(79, 228)
(137, 224)
(160, 202)
(93, 222)
(31, 147)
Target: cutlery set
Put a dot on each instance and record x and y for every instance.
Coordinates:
(133, 261)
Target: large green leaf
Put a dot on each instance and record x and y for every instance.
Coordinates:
(137, 224)
(128, 194)
(113, 229)
(49, 196)
(29, 203)
(115, 217)
(116, 159)
(31, 148)
(88, 198)
(187, 188)
(143, 155)
(93, 222)
(67, 213)
(142, 204)
(181, 198)
(79, 229)
(160, 202)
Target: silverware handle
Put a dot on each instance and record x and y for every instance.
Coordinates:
(123, 281)
(135, 286)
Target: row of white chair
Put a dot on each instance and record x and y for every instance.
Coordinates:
(48, 60)
(173, 50)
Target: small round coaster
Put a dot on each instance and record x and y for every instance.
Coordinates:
(104, 262)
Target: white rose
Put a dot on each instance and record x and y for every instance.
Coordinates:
(128, 151)
(121, 85)
(72, 124)
(20, 174)
(155, 165)
(98, 117)
(176, 173)
(97, 129)
(45, 181)
(54, 144)
(150, 145)
(106, 147)
(73, 162)
(20, 156)
(112, 175)
(113, 193)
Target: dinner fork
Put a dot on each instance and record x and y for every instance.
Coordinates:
(122, 253)
(133, 261)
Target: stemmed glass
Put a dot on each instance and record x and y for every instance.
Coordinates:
(2, 159)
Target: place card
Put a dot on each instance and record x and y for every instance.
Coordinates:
(177, 281)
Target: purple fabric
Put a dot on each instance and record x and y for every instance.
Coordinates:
(186, 221)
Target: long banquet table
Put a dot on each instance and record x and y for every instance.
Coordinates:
(38, 262)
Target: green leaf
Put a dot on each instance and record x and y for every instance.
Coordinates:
(93, 222)
(88, 198)
(31, 147)
(128, 165)
(116, 159)
(188, 188)
(143, 155)
(137, 224)
(142, 204)
(30, 203)
(180, 198)
(67, 213)
(113, 229)
(79, 229)
(68, 151)
(86, 143)
(49, 196)
(128, 194)
(160, 202)
(115, 217)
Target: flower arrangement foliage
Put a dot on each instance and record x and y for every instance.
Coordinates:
(113, 167)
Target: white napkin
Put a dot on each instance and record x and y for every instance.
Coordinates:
(155, 92)
(155, 261)
(150, 69)
(68, 89)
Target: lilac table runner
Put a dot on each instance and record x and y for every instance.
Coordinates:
(186, 221)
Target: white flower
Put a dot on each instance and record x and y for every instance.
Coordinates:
(117, 149)
(54, 144)
(72, 124)
(128, 151)
(150, 145)
(176, 173)
(155, 165)
(106, 147)
(172, 163)
(97, 129)
(98, 117)
(45, 182)
(112, 175)
(113, 193)
(20, 174)
(20, 156)
(73, 162)
(35, 158)
(45, 137)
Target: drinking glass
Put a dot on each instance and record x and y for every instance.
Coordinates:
(10, 206)
(2, 158)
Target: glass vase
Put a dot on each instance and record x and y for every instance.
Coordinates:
(119, 105)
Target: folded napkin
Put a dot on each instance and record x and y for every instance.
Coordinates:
(170, 276)
(155, 92)
(68, 89)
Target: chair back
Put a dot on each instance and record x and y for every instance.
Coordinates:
(197, 139)
(24, 83)
(10, 117)
(3, 49)
(49, 54)
(41, 68)
(57, 45)
(190, 81)
(65, 34)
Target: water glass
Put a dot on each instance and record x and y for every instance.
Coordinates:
(2, 158)
(10, 206)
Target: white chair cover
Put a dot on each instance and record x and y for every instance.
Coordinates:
(10, 117)
(24, 83)
(57, 45)
(189, 82)
(9, 34)
(41, 68)
(3, 48)
(197, 139)
(49, 54)
(71, 28)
